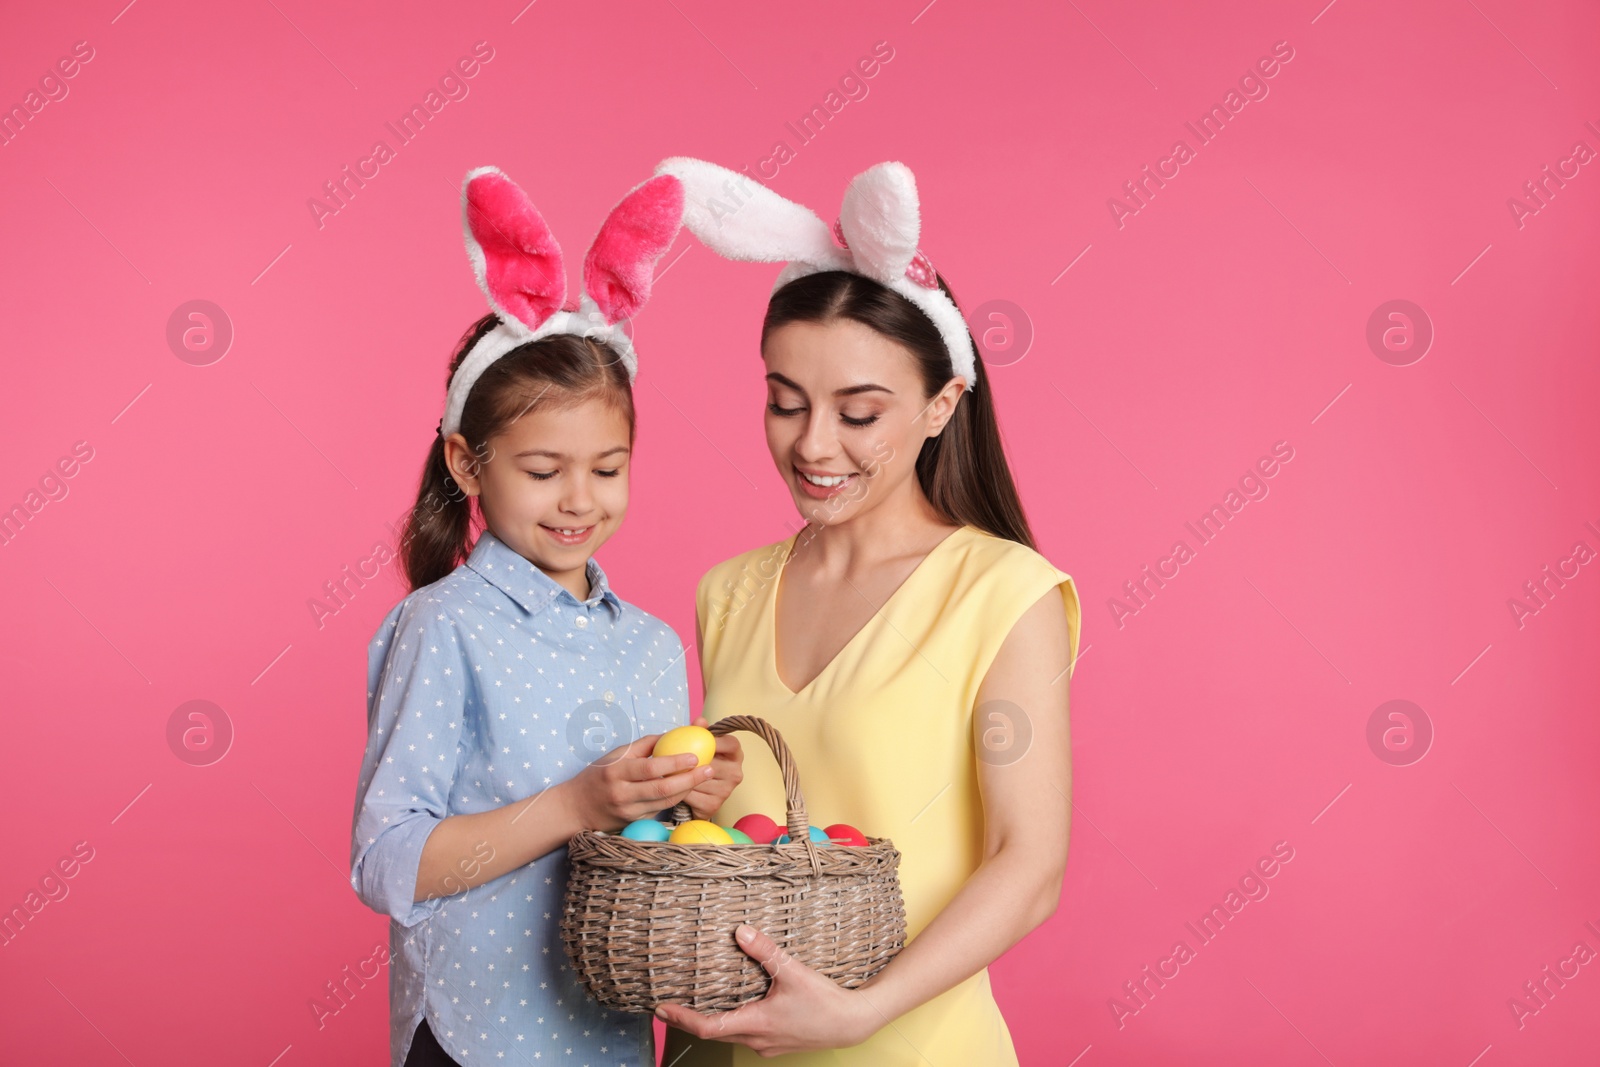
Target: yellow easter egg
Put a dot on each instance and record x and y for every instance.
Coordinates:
(696, 740)
(700, 832)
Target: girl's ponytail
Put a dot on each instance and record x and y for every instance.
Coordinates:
(437, 534)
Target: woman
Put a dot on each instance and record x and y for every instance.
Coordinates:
(912, 647)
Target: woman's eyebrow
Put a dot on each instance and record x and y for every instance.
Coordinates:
(851, 390)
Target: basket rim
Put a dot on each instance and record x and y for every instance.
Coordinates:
(664, 859)
(795, 813)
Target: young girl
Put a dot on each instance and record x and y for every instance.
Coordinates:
(513, 697)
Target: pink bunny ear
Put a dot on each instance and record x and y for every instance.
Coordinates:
(621, 263)
(514, 255)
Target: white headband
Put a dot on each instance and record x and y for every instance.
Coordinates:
(876, 237)
(519, 268)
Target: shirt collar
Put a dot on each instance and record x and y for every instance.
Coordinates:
(534, 590)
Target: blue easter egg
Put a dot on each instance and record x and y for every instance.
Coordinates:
(816, 835)
(646, 830)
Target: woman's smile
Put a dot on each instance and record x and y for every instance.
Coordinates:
(821, 485)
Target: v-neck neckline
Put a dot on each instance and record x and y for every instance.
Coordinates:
(772, 612)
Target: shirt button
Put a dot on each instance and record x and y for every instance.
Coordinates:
(610, 696)
(583, 620)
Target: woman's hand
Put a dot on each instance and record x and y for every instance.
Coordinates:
(804, 1010)
(727, 772)
(628, 783)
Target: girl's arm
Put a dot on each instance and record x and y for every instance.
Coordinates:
(416, 674)
(406, 847)
(625, 784)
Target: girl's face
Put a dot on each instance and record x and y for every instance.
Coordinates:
(846, 417)
(553, 486)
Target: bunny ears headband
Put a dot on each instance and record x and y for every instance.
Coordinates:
(875, 236)
(519, 268)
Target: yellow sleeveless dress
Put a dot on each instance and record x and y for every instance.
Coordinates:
(883, 741)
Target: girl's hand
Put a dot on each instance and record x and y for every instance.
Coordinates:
(628, 783)
(726, 773)
(804, 1010)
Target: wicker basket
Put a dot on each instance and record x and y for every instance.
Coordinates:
(646, 922)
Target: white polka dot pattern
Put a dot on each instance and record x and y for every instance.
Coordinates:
(471, 682)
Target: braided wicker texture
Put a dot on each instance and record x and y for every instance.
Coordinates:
(646, 922)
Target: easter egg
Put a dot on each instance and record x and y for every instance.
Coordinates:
(740, 837)
(646, 830)
(695, 740)
(842, 833)
(816, 835)
(700, 832)
(761, 829)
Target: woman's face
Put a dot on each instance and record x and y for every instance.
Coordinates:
(846, 417)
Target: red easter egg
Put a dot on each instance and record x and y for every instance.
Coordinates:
(761, 829)
(842, 833)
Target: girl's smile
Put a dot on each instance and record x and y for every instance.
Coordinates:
(555, 484)
(570, 535)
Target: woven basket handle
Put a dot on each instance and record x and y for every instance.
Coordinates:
(799, 823)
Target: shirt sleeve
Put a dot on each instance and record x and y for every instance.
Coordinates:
(672, 691)
(675, 682)
(417, 679)
(663, 670)
(1069, 594)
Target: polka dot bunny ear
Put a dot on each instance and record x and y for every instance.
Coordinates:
(875, 235)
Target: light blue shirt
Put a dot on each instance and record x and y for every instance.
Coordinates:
(490, 685)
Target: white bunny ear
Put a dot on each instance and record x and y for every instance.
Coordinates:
(738, 218)
(881, 221)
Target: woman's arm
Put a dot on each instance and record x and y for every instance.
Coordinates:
(1027, 814)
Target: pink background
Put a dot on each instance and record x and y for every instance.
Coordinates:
(1229, 313)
